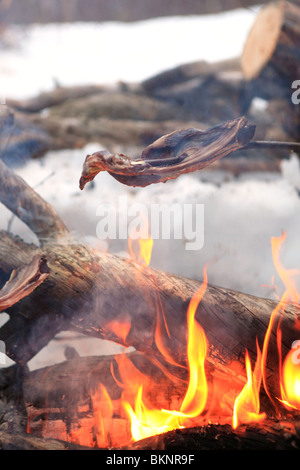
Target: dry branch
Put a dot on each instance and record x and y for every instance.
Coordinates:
(53, 98)
(22, 201)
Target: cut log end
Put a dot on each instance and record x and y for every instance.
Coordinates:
(262, 40)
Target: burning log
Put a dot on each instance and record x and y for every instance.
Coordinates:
(266, 436)
(59, 400)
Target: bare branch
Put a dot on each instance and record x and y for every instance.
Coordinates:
(26, 204)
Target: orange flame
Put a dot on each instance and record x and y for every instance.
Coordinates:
(247, 405)
(146, 420)
(135, 402)
(95, 433)
(196, 395)
(145, 245)
(102, 408)
(290, 383)
(289, 372)
(120, 328)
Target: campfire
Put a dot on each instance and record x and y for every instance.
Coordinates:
(195, 397)
(200, 366)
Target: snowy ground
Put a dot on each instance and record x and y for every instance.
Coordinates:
(81, 53)
(240, 215)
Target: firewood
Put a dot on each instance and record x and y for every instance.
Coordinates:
(53, 98)
(59, 401)
(187, 72)
(271, 53)
(89, 292)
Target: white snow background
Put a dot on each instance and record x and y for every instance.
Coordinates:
(241, 214)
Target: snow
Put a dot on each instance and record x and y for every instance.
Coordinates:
(83, 53)
(240, 214)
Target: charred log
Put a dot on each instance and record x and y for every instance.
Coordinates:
(182, 151)
(266, 436)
